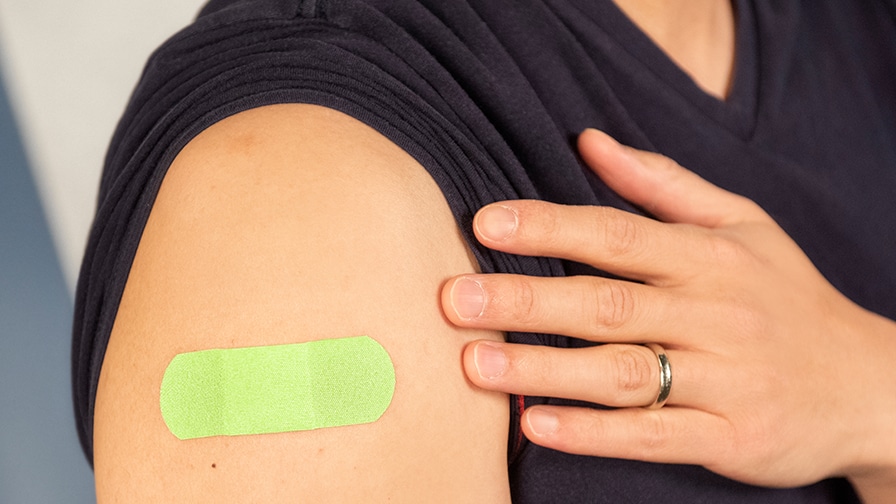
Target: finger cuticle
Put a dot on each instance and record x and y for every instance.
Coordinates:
(496, 222)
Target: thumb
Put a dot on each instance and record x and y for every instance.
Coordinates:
(661, 186)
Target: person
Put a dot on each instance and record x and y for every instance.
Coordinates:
(297, 170)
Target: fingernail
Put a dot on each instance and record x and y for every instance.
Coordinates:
(490, 360)
(542, 422)
(467, 298)
(496, 222)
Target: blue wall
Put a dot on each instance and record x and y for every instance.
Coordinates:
(40, 459)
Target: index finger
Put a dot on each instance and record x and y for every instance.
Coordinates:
(663, 187)
(622, 243)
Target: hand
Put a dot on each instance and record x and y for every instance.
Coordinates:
(778, 379)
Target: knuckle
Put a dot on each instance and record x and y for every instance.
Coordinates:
(621, 235)
(750, 210)
(613, 307)
(727, 252)
(521, 302)
(632, 370)
(654, 434)
(670, 166)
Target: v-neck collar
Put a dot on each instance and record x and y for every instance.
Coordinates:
(737, 113)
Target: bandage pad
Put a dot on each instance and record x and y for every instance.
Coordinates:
(279, 388)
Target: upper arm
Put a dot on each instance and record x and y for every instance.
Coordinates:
(289, 224)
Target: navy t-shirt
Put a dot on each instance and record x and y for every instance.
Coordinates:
(489, 95)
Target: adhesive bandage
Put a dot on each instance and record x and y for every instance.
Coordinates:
(280, 388)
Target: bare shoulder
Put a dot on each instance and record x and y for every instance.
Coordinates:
(288, 224)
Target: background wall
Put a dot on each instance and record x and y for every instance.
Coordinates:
(66, 71)
(39, 456)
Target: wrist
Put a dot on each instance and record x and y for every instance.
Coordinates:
(873, 473)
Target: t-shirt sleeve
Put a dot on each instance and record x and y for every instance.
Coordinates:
(395, 67)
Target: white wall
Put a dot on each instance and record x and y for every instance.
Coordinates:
(70, 67)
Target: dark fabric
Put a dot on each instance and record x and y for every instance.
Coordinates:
(489, 95)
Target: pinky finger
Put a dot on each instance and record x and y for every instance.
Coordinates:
(669, 435)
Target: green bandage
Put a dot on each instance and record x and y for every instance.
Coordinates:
(281, 388)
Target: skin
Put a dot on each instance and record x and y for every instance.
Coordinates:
(735, 302)
(698, 35)
(263, 234)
